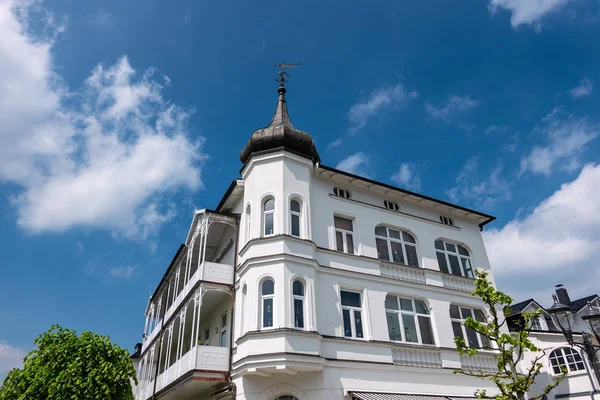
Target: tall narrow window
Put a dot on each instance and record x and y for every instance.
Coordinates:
(267, 294)
(298, 296)
(352, 313)
(295, 217)
(473, 339)
(224, 330)
(344, 239)
(244, 311)
(248, 222)
(453, 259)
(207, 336)
(408, 320)
(396, 246)
(268, 217)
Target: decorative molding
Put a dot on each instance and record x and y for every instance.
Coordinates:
(282, 389)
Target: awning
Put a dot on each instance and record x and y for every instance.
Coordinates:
(404, 396)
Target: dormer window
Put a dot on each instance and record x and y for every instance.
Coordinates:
(390, 205)
(446, 221)
(341, 193)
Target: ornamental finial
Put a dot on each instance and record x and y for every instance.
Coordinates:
(282, 76)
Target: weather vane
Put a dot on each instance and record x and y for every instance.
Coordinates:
(282, 76)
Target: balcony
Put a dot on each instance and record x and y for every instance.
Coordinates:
(424, 276)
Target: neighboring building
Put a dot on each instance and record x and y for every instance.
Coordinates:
(307, 282)
(580, 381)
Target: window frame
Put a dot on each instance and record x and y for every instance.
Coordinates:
(391, 205)
(248, 222)
(414, 314)
(206, 338)
(342, 193)
(223, 330)
(264, 215)
(465, 332)
(447, 253)
(301, 298)
(293, 214)
(403, 243)
(574, 353)
(352, 312)
(263, 298)
(446, 220)
(344, 234)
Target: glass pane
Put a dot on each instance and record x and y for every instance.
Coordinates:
(426, 331)
(393, 326)
(439, 245)
(268, 224)
(223, 320)
(411, 254)
(410, 328)
(408, 238)
(462, 251)
(269, 205)
(421, 307)
(406, 304)
(382, 249)
(454, 313)
(467, 267)
(295, 206)
(268, 287)
(358, 323)
(350, 243)
(295, 225)
(298, 288)
(339, 241)
(267, 313)
(442, 262)
(397, 255)
(391, 303)
(224, 339)
(472, 338)
(457, 329)
(298, 313)
(485, 342)
(479, 316)
(351, 299)
(450, 247)
(380, 231)
(347, 323)
(342, 223)
(454, 265)
(394, 234)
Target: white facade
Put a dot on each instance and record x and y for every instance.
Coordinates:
(333, 319)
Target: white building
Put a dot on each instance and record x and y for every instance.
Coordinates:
(310, 283)
(580, 381)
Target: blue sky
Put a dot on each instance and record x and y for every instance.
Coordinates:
(118, 118)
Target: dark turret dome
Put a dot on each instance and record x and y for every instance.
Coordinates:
(280, 133)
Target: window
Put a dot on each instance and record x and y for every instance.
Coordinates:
(453, 259)
(267, 294)
(352, 314)
(536, 324)
(458, 315)
(344, 240)
(446, 221)
(268, 216)
(341, 193)
(248, 222)
(568, 358)
(298, 299)
(396, 246)
(206, 336)
(295, 217)
(408, 320)
(224, 330)
(390, 205)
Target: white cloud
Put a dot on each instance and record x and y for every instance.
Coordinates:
(123, 272)
(584, 89)
(407, 177)
(481, 190)
(527, 12)
(10, 357)
(555, 243)
(357, 164)
(377, 101)
(99, 157)
(334, 144)
(567, 139)
(455, 107)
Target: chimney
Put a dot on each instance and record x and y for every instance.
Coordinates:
(563, 295)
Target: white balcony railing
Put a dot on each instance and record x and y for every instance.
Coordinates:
(484, 362)
(428, 358)
(402, 273)
(458, 283)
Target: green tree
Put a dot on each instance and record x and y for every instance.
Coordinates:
(512, 384)
(66, 366)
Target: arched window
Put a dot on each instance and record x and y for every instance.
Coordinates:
(267, 295)
(244, 307)
(248, 222)
(566, 357)
(298, 297)
(473, 339)
(396, 246)
(268, 216)
(295, 217)
(408, 320)
(453, 259)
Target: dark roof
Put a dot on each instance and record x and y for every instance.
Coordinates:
(138, 352)
(518, 307)
(578, 304)
(280, 133)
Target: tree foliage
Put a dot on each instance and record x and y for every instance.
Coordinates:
(512, 384)
(66, 366)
